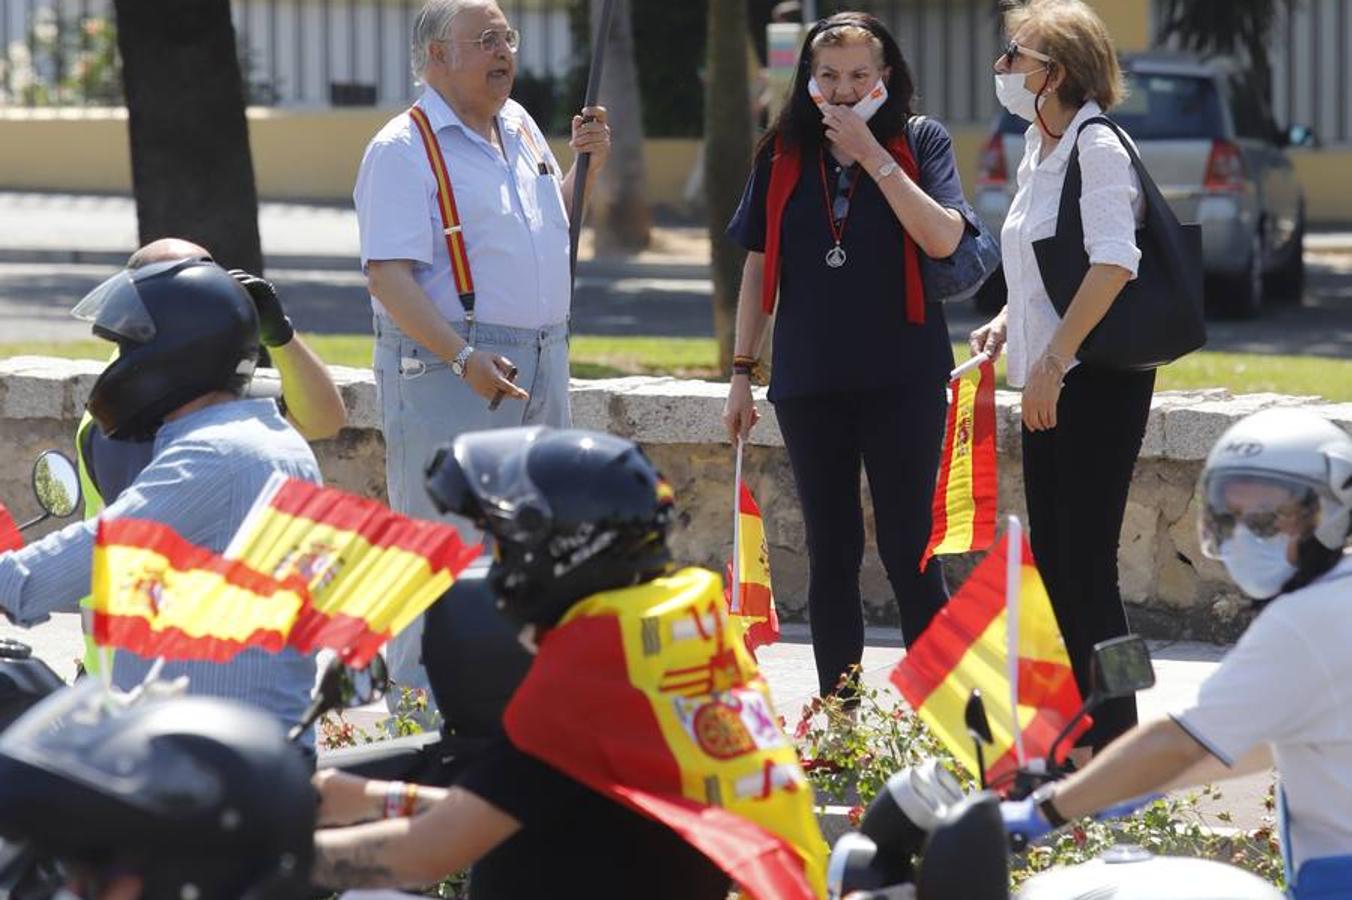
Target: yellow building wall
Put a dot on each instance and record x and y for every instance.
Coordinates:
(1128, 21)
(301, 155)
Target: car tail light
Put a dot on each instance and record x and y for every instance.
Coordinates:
(1225, 168)
(991, 170)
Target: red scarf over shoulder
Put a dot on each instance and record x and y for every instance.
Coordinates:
(786, 166)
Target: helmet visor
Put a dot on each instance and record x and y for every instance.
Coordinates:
(1264, 504)
(494, 463)
(115, 306)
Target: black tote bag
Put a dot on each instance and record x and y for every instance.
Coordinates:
(1158, 316)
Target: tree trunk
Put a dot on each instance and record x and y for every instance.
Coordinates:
(191, 169)
(727, 156)
(619, 206)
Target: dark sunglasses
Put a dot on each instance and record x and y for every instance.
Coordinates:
(1013, 50)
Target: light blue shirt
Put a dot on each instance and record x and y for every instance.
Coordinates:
(511, 209)
(209, 467)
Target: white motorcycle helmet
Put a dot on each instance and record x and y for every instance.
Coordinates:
(1277, 499)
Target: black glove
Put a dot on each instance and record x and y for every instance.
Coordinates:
(273, 326)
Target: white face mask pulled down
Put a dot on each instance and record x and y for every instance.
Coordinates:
(1258, 565)
(1014, 95)
(865, 108)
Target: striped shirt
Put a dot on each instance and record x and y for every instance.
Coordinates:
(208, 469)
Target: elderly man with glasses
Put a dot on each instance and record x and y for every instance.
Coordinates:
(463, 212)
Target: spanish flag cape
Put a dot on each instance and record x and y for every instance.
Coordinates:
(648, 696)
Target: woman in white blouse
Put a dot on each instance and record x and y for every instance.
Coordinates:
(1082, 425)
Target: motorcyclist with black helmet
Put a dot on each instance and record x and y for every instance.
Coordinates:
(167, 798)
(187, 336)
(579, 523)
(309, 399)
(1276, 511)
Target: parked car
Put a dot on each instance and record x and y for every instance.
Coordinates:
(1212, 146)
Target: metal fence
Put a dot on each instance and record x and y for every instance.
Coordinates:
(292, 52)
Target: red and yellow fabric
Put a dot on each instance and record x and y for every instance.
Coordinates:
(967, 646)
(157, 595)
(749, 595)
(370, 572)
(450, 215)
(10, 538)
(965, 493)
(647, 695)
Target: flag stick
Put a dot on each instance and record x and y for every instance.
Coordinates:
(737, 532)
(968, 366)
(598, 62)
(1013, 578)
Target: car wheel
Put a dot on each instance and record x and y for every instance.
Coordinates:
(1287, 283)
(1243, 293)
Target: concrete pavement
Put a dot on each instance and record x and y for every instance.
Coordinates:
(788, 667)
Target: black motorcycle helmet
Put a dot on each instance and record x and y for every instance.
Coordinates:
(183, 329)
(198, 797)
(570, 513)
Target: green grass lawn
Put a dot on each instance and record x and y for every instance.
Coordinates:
(601, 357)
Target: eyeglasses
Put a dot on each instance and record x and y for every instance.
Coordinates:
(1293, 509)
(491, 41)
(1013, 50)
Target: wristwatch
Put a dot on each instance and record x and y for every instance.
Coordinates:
(887, 168)
(1042, 798)
(461, 360)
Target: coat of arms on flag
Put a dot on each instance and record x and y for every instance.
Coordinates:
(997, 634)
(310, 567)
(965, 491)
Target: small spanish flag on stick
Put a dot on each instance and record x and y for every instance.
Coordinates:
(749, 594)
(997, 634)
(965, 493)
(370, 572)
(10, 538)
(157, 595)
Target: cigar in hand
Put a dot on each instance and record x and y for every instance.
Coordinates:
(497, 399)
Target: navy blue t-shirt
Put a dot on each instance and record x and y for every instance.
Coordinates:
(845, 329)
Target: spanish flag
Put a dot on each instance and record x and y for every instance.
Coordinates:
(10, 538)
(748, 594)
(998, 634)
(965, 494)
(646, 695)
(370, 572)
(157, 595)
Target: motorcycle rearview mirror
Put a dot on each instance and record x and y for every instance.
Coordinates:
(1121, 668)
(979, 728)
(56, 484)
(344, 687)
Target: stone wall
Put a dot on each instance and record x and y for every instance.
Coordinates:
(1172, 590)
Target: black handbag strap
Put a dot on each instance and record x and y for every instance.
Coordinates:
(1158, 213)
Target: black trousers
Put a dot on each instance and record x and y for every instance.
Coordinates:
(898, 435)
(1076, 479)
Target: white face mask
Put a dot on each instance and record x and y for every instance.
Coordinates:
(1257, 565)
(1014, 95)
(865, 108)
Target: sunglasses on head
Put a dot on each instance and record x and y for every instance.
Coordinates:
(1013, 51)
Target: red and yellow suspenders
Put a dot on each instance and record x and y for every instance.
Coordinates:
(450, 216)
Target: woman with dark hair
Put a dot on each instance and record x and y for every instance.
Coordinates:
(849, 188)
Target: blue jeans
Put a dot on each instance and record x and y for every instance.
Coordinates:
(423, 405)
(1326, 878)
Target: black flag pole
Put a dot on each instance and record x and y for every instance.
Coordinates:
(584, 160)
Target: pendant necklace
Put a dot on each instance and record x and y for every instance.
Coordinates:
(835, 257)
